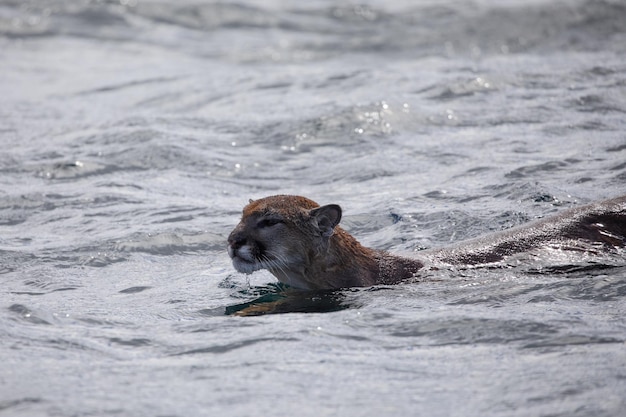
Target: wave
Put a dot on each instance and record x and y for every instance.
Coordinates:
(322, 31)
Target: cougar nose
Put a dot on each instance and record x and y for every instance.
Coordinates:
(236, 240)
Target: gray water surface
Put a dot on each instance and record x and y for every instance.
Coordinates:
(133, 133)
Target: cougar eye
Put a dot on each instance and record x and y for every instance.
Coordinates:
(268, 222)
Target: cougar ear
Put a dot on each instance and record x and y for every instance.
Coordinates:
(325, 218)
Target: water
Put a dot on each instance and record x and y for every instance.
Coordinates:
(134, 132)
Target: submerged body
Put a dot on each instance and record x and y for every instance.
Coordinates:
(301, 244)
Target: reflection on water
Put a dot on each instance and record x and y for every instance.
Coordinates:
(280, 298)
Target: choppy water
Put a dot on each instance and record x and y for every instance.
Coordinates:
(134, 132)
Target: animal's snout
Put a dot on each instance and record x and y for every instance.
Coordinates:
(236, 239)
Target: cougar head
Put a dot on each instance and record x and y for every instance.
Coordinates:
(282, 234)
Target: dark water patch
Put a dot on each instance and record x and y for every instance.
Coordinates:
(482, 171)
(139, 342)
(226, 348)
(514, 191)
(33, 293)
(27, 315)
(68, 345)
(134, 290)
(127, 133)
(277, 85)
(102, 323)
(569, 392)
(18, 403)
(602, 71)
(351, 337)
(571, 340)
(213, 326)
(176, 219)
(536, 81)
(8, 162)
(570, 268)
(280, 298)
(12, 220)
(44, 284)
(129, 84)
(620, 178)
(462, 331)
(539, 116)
(471, 198)
(533, 170)
(342, 79)
(618, 148)
(618, 167)
(119, 185)
(595, 103)
(437, 195)
(589, 125)
(300, 302)
(547, 298)
(65, 289)
(544, 198)
(177, 214)
(26, 202)
(210, 17)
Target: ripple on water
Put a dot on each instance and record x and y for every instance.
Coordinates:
(470, 330)
(134, 290)
(19, 403)
(179, 242)
(229, 347)
(26, 315)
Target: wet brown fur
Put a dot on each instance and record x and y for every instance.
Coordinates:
(340, 261)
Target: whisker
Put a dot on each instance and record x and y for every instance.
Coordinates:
(277, 262)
